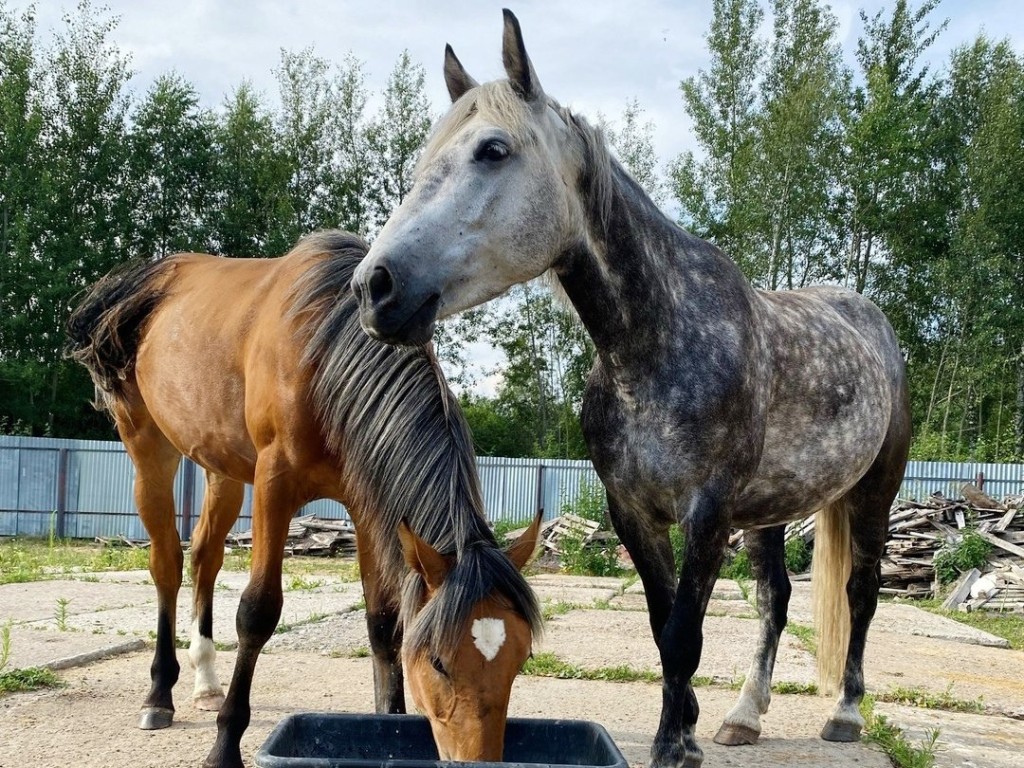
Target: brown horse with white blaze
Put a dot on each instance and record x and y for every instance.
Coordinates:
(257, 370)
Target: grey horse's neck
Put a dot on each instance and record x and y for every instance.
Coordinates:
(645, 289)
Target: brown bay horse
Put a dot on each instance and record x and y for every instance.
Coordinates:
(710, 404)
(258, 371)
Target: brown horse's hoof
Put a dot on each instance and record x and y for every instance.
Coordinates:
(155, 718)
(840, 730)
(736, 735)
(209, 702)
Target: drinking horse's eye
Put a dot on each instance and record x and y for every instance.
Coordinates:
(438, 666)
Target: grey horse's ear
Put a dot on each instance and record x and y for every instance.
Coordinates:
(455, 75)
(517, 63)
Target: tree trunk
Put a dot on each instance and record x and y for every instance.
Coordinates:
(1019, 425)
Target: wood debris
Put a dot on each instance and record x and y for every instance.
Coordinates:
(310, 535)
(571, 525)
(918, 530)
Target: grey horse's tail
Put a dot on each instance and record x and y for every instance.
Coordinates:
(104, 329)
(830, 570)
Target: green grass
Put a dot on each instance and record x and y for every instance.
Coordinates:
(916, 697)
(894, 743)
(299, 582)
(559, 608)
(808, 639)
(548, 665)
(5, 644)
(28, 679)
(797, 689)
(1009, 626)
(23, 560)
(313, 618)
(60, 615)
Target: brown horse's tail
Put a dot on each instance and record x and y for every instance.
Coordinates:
(830, 570)
(103, 330)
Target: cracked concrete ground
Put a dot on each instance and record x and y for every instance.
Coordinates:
(599, 622)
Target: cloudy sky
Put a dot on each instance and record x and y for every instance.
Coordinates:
(594, 55)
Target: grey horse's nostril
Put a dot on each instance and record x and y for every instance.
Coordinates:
(380, 285)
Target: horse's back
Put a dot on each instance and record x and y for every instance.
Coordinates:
(218, 367)
(837, 376)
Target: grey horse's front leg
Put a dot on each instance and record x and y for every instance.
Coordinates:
(706, 529)
(767, 555)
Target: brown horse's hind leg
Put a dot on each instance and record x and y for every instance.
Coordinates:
(274, 503)
(156, 462)
(221, 505)
(385, 636)
(742, 724)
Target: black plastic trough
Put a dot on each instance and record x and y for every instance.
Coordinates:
(328, 740)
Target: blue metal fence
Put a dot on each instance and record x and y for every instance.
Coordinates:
(83, 488)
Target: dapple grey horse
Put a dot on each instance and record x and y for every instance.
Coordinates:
(710, 404)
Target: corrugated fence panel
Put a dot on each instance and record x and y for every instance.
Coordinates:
(922, 478)
(99, 476)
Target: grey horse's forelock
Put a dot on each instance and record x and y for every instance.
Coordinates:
(495, 101)
(404, 447)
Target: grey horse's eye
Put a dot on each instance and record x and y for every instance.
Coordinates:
(492, 151)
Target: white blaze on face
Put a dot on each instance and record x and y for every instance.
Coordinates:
(488, 636)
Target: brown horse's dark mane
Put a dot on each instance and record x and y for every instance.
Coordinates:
(406, 449)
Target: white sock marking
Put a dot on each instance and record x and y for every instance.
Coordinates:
(202, 653)
(488, 636)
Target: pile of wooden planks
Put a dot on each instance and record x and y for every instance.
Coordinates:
(553, 531)
(918, 530)
(310, 535)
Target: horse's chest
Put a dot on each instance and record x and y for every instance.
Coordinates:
(643, 449)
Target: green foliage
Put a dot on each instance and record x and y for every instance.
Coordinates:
(299, 583)
(549, 665)
(677, 538)
(5, 645)
(806, 635)
(737, 567)
(878, 730)
(592, 560)
(971, 551)
(28, 679)
(917, 697)
(798, 555)
(1009, 626)
(60, 615)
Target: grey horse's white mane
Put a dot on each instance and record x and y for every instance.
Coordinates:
(405, 449)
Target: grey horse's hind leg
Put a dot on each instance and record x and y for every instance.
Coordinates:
(767, 556)
(869, 502)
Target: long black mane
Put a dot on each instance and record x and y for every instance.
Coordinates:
(389, 415)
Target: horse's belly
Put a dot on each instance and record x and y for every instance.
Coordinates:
(195, 392)
(809, 462)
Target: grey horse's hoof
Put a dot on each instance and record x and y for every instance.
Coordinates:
(155, 718)
(736, 735)
(840, 730)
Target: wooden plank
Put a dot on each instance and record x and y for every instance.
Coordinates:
(1005, 520)
(995, 540)
(962, 589)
